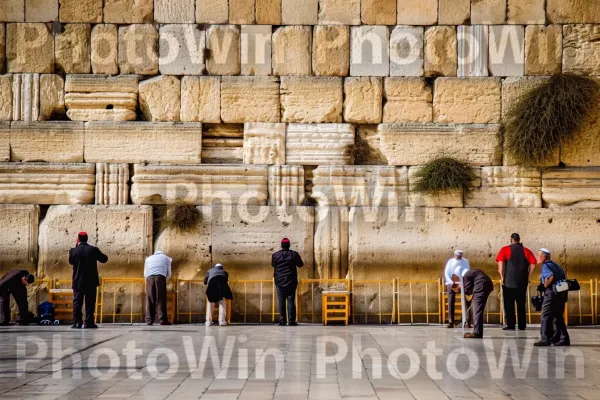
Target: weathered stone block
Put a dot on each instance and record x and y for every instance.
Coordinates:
(472, 50)
(222, 143)
(60, 142)
(339, 12)
(507, 50)
(571, 187)
(331, 242)
(128, 11)
(441, 51)
(160, 98)
(200, 185)
(4, 141)
(212, 11)
(12, 11)
(29, 48)
(454, 12)
(417, 12)
(72, 49)
(286, 185)
(572, 11)
(26, 97)
(264, 143)
(413, 144)
(6, 97)
(112, 183)
(201, 99)
(299, 12)
(138, 49)
(19, 243)
(311, 100)
(369, 52)
(319, 144)
(181, 50)
(292, 50)
(89, 11)
(33, 183)
(102, 84)
(487, 12)
(407, 100)
(467, 101)
(41, 10)
(250, 99)
(268, 12)
(378, 12)
(582, 149)
(450, 198)
(406, 51)
(507, 187)
(256, 49)
(242, 12)
(2, 46)
(104, 44)
(123, 233)
(363, 99)
(526, 12)
(174, 11)
(52, 96)
(543, 49)
(581, 49)
(143, 142)
(331, 50)
(223, 41)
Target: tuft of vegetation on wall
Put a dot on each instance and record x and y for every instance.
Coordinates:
(444, 174)
(181, 216)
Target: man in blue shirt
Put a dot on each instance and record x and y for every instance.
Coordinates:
(553, 330)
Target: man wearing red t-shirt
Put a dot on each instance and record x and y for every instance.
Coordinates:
(515, 263)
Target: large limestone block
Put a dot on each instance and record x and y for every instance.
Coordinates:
(89, 11)
(415, 239)
(507, 187)
(331, 50)
(581, 49)
(160, 98)
(582, 149)
(299, 12)
(571, 187)
(212, 11)
(475, 100)
(573, 11)
(378, 12)
(59, 142)
(256, 49)
(242, 12)
(472, 50)
(128, 11)
(286, 185)
(138, 49)
(123, 233)
(72, 49)
(415, 144)
(19, 241)
(331, 242)
(26, 97)
(441, 57)
(417, 12)
(449, 199)
(223, 42)
(2, 46)
(102, 84)
(407, 100)
(250, 99)
(264, 143)
(363, 99)
(292, 50)
(526, 12)
(41, 10)
(201, 99)
(33, 183)
(12, 11)
(369, 51)
(454, 12)
(143, 142)
(52, 96)
(487, 12)
(174, 11)
(319, 144)
(360, 186)
(507, 50)
(181, 49)
(406, 51)
(339, 12)
(543, 49)
(200, 184)
(268, 12)
(4, 141)
(222, 143)
(104, 44)
(311, 100)
(112, 183)
(101, 106)
(29, 48)
(6, 97)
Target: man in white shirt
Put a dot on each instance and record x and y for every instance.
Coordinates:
(458, 261)
(157, 270)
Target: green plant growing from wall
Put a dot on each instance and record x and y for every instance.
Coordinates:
(181, 216)
(444, 174)
(547, 116)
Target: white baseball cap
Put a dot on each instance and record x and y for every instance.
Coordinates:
(458, 252)
(545, 251)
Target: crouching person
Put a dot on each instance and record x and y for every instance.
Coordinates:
(217, 291)
(14, 282)
(157, 271)
(477, 287)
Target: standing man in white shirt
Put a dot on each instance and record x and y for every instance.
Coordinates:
(157, 270)
(458, 261)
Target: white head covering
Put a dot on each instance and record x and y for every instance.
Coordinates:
(545, 251)
(458, 252)
(460, 271)
(218, 265)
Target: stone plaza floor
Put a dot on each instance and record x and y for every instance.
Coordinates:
(257, 362)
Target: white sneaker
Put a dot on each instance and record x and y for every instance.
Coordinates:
(207, 323)
(223, 323)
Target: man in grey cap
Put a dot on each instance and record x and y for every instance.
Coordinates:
(452, 288)
(217, 291)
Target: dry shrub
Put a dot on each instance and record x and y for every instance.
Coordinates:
(181, 216)
(309, 201)
(547, 116)
(362, 150)
(444, 174)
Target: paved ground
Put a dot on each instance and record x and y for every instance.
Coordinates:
(315, 362)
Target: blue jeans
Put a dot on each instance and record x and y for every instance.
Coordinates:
(287, 293)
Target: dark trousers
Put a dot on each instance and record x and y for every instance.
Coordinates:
(156, 298)
(553, 321)
(21, 300)
(479, 301)
(510, 297)
(83, 295)
(452, 306)
(288, 294)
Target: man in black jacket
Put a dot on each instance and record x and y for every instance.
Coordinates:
(14, 282)
(217, 291)
(84, 260)
(477, 287)
(284, 263)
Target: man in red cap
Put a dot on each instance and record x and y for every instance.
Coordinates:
(284, 263)
(84, 258)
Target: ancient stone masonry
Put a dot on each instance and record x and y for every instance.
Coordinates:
(571, 187)
(322, 144)
(112, 183)
(286, 185)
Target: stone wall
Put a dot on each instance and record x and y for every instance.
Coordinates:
(298, 118)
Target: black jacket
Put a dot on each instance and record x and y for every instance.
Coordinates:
(476, 281)
(218, 288)
(285, 262)
(84, 260)
(11, 282)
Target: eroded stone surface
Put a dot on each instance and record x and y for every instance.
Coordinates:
(26, 97)
(80, 11)
(268, 12)
(378, 12)
(331, 242)
(292, 50)
(526, 12)
(331, 51)
(12, 11)
(72, 49)
(29, 48)
(222, 143)
(299, 12)
(311, 100)
(467, 101)
(174, 11)
(339, 12)
(369, 51)
(507, 50)
(582, 149)
(264, 143)
(212, 11)
(181, 49)
(201, 99)
(363, 100)
(581, 49)
(406, 51)
(407, 100)
(104, 44)
(250, 99)
(138, 49)
(52, 96)
(543, 49)
(112, 183)
(572, 11)
(128, 11)
(2, 46)
(487, 12)
(223, 41)
(102, 83)
(6, 97)
(286, 185)
(571, 187)
(160, 98)
(41, 10)
(256, 49)
(507, 187)
(454, 12)
(473, 45)
(242, 12)
(441, 51)
(319, 144)
(417, 12)
(51, 141)
(4, 141)
(19, 243)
